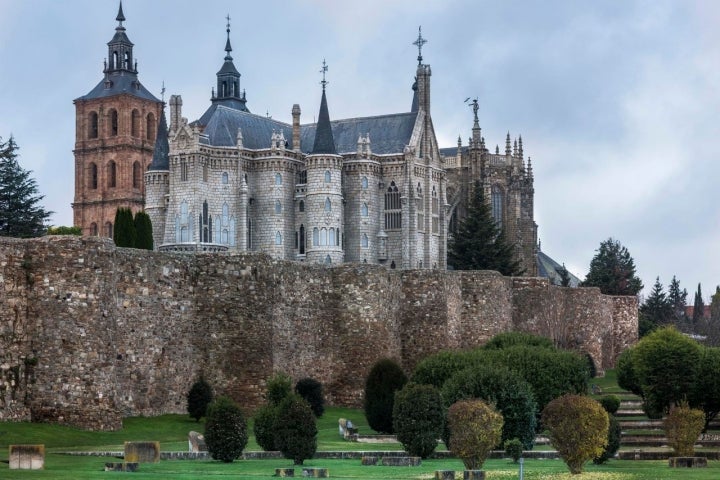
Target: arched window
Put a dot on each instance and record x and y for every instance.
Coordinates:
(323, 237)
(278, 238)
(205, 172)
(278, 179)
(393, 210)
(93, 176)
(93, 125)
(135, 123)
(328, 177)
(278, 206)
(316, 236)
(183, 171)
(108, 229)
(206, 224)
(112, 174)
(435, 211)
(497, 205)
(364, 210)
(137, 175)
(114, 63)
(331, 237)
(113, 114)
(302, 239)
(301, 206)
(150, 127)
(364, 241)
(364, 183)
(225, 178)
(328, 204)
(93, 229)
(328, 260)
(127, 61)
(337, 238)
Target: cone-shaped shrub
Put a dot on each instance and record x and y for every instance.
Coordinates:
(385, 378)
(225, 430)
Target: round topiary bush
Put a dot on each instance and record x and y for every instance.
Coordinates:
(225, 430)
(513, 449)
(311, 390)
(610, 403)
(198, 399)
(613, 445)
(683, 426)
(475, 428)
(264, 426)
(295, 429)
(418, 418)
(385, 378)
(578, 428)
(279, 387)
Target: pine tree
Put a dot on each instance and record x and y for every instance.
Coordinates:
(612, 269)
(124, 234)
(698, 306)
(656, 311)
(20, 212)
(564, 276)
(479, 244)
(678, 302)
(143, 230)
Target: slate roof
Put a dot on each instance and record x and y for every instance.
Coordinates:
(548, 268)
(121, 82)
(449, 151)
(388, 133)
(324, 141)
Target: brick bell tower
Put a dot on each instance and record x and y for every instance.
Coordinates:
(115, 129)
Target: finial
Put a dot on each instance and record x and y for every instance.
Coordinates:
(420, 42)
(529, 167)
(120, 17)
(228, 48)
(515, 150)
(459, 141)
(497, 149)
(162, 92)
(507, 144)
(520, 149)
(324, 71)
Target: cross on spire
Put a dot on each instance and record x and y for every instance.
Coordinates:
(324, 70)
(162, 92)
(228, 48)
(420, 42)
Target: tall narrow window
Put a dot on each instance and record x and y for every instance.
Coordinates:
(225, 178)
(435, 211)
(93, 125)
(205, 172)
(206, 224)
(93, 229)
(301, 206)
(364, 183)
(108, 229)
(93, 176)
(137, 175)
(331, 237)
(323, 237)
(364, 210)
(112, 174)
(183, 171)
(393, 210)
(135, 123)
(328, 204)
(301, 178)
(316, 237)
(302, 239)
(364, 241)
(113, 122)
(150, 127)
(328, 177)
(278, 179)
(278, 238)
(497, 205)
(278, 206)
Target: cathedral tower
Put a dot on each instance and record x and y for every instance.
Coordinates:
(115, 130)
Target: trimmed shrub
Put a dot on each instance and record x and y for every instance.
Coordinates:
(143, 231)
(264, 427)
(626, 377)
(511, 339)
(613, 445)
(418, 418)
(505, 389)
(198, 399)
(225, 430)
(610, 403)
(436, 369)
(578, 428)
(295, 429)
(683, 426)
(592, 369)
(706, 388)
(475, 428)
(513, 449)
(279, 387)
(62, 230)
(311, 390)
(385, 378)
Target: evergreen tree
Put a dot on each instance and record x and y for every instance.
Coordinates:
(124, 234)
(479, 244)
(698, 306)
(715, 306)
(143, 230)
(564, 276)
(656, 311)
(612, 269)
(678, 302)
(20, 212)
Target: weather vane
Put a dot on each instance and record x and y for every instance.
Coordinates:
(323, 71)
(228, 22)
(162, 92)
(420, 42)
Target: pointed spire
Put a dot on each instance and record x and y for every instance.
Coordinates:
(228, 47)
(507, 144)
(497, 149)
(529, 167)
(520, 148)
(324, 141)
(515, 148)
(459, 141)
(120, 16)
(161, 154)
(419, 43)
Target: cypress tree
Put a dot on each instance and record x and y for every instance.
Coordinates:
(124, 234)
(698, 306)
(143, 229)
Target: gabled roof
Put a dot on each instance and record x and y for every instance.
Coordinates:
(222, 124)
(120, 83)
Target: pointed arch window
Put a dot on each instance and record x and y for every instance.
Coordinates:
(364, 210)
(364, 242)
(93, 229)
(323, 237)
(206, 224)
(109, 229)
(316, 236)
(278, 179)
(225, 178)
(135, 123)
(112, 174)
(302, 239)
(393, 211)
(497, 200)
(150, 129)
(328, 260)
(364, 183)
(331, 237)
(93, 176)
(278, 206)
(435, 211)
(137, 175)
(328, 176)
(93, 125)
(328, 204)
(301, 206)
(278, 238)
(114, 127)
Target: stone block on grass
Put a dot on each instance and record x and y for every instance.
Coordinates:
(27, 457)
(284, 472)
(122, 466)
(401, 461)
(196, 442)
(142, 452)
(444, 474)
(473, 475)
(315, 472)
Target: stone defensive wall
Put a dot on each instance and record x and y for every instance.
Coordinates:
(90, 333)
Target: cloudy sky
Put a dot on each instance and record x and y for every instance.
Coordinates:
(617, 101)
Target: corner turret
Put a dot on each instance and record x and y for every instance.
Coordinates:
(228, 81)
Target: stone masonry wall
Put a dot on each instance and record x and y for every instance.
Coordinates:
(90, 333)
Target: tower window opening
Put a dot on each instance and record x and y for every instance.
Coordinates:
(328, 176)
(114, 63)
(302, 239)
(328, 204)
(93, 176)
(135, 123)
(150, 127)
(93, 125)
(137, 175)
(393, 209)
(112, 174)
(113, 122)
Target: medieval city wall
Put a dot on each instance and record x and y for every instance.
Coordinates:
(90, 333)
